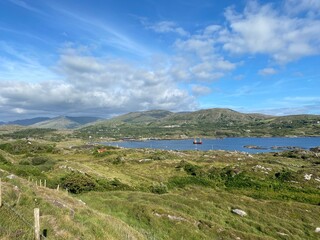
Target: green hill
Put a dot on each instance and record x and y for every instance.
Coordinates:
(65, 122)
(155, 194)
(204, 123)
(140, 117)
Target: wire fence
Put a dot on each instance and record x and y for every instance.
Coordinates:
(13, 223)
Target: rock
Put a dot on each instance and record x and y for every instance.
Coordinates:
(239, 212)
(254, 147)
(315, 149)
(282, 234)
(317, 230)
(11, 176)
(307, 177)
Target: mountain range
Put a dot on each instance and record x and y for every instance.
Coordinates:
(61, 122)
(215, 122)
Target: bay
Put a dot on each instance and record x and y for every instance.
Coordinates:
(254, 145)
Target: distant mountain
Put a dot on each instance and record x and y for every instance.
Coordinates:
(27, 122)
(141, 117)
(214, 115)
(62, 122)
(216, 122)
(65, 122)
(83, 120)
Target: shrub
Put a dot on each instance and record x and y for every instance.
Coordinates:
(24, 162)
(284, 175)
(23, 147)
(39, 160)
(159, 188)
(27, 170)
(190, 169)
(78, 183)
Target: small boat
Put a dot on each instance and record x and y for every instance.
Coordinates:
(195, 141)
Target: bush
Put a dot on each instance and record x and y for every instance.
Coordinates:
(284, 175)
(39, 160)
(26, 171)
(190, 169)
(159, 188)
(23, 147)
(78, 183)
(24, 162)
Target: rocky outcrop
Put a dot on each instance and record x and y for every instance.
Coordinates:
(315, 149)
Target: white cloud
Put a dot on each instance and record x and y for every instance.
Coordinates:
(261, 29)
(200, 55)
(98, 86)
(267, 71)
(166, 27)
(19, 110)
(199, 90)
(310, 7)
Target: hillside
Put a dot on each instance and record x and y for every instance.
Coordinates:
(26, 122)
(140, 117)
(61, 122)
(216, 122)
(204, 123)
(215, 115)
(65, 122)
(155, 194)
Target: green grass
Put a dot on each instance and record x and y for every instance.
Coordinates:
(153, 194)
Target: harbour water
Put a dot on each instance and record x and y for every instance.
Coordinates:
(244, 144)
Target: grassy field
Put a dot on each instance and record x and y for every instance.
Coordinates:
(113, 193)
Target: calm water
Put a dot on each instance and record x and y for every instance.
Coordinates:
(230, 144)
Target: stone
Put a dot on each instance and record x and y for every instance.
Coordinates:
(11, 176)
(307, 177)
(317, 230)
(239, 212)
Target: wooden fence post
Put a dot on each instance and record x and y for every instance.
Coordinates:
(36, 212)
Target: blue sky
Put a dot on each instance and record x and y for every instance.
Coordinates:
(104, 57)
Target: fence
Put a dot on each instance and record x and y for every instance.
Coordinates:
(14, 224)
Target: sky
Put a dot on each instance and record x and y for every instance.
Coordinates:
(108, 57)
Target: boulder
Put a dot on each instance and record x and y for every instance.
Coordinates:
(239, 212)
